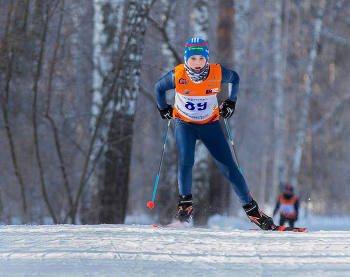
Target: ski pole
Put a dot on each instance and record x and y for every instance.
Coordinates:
(150, 204)
(233, 147)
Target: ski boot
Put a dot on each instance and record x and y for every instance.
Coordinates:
(258, 217)
(185, 211)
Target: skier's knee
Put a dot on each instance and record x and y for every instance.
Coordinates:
(186, 162)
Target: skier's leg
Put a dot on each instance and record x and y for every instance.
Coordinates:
(282, 220)
(291, 222)
(185, 137)
(214, 139)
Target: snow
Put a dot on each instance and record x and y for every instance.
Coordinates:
(227, 248)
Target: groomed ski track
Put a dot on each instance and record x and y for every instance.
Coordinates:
(142, 250)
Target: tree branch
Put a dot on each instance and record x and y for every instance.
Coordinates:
(51, 120)
(336, 38)
(335, 105)
(5, 112)
(34, 115)
(162, 29)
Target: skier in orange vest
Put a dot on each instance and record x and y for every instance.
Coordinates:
(288, 205)
(196, 117)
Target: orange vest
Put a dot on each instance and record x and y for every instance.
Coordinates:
(287, 208)
(197, 102)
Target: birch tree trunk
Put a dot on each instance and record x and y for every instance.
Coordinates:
(279, 165)
(306, 100)
(240, 46)
(108, 17)
(266, 133)
(241, 31)
(107, 26)
(114, 192)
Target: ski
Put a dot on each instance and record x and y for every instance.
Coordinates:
(284, 228)
(176, 224)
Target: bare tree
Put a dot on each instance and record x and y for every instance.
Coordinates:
(306, 98)
(279, 166)
(220, 190)
(114, 192)
(9, 49)
(46, 9)
(108, 18)
(241, 31)
(51, 119)
(35, 68)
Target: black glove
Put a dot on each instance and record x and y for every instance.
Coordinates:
(166, 113)
(227, 108)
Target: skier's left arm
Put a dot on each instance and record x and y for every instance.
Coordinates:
(231, 78)
(227, 108)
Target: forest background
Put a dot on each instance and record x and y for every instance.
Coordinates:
(80, 134)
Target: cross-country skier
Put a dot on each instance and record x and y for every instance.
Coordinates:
(288, 205)
(196, 117)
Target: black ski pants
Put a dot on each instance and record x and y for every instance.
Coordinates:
(291, 221)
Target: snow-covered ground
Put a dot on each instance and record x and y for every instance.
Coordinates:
(142, 250)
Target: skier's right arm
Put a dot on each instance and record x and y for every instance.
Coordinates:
(227, 108)
(296, 207)
(164, 84)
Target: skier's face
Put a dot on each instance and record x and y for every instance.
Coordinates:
(196, 62)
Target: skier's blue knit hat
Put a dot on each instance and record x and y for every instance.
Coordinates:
(196, 46)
